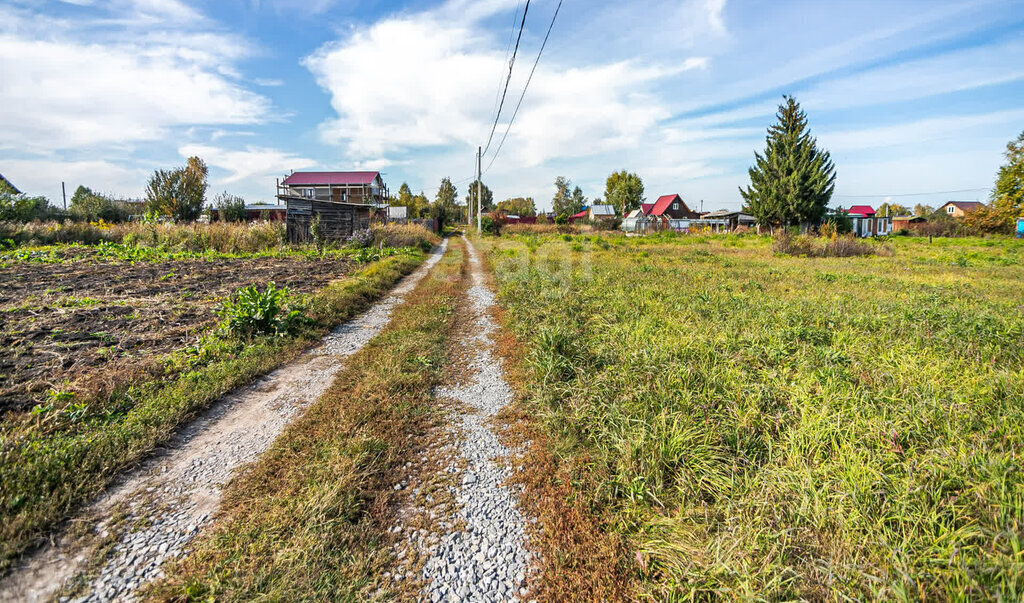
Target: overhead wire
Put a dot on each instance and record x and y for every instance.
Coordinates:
(508, 50)
(508, 79)
(964, 190)
(526, 86)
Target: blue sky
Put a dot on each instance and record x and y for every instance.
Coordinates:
(910, 97)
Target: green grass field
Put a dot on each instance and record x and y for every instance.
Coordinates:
(779, 427)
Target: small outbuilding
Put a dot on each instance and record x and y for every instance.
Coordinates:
(908, 222)
(867, 223)
(337, 220)
(602, 212)
(734, 219)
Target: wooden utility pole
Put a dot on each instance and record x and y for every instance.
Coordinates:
(479, 190)
(64, 193)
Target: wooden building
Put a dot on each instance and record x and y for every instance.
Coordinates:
(340, 187)
(671, 207)
(908, 222)
(344, 202)
(337, 220)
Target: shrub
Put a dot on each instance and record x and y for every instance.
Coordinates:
(832, 247)
(253, 312)
(361, 238)
(230, 208)
(91, 207)
(492, 224)
(613, 224)
(316, 231)
(22, 208)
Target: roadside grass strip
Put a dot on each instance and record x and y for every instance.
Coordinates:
(743, 425)
(46, 474)
(310, 519)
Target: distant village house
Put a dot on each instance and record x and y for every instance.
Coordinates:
(866, 222)
(959, 209)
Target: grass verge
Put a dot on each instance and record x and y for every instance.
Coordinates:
(309, 519)
(755, 426)
(44, 476)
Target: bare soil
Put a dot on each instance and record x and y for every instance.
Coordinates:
(76, 326)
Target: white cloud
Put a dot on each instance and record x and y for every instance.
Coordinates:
(43, 177)
(950, 129)
(429, 82)
(65, 87)
(252, 167)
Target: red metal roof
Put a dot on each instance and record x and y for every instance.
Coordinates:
(861, 210)
(646, 208)
(326, 178)
(662, 204)
(582, 214)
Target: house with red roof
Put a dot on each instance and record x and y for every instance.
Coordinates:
(340, 202)
(583, 215)
(338, 187)
(866, 222)
(671, 207)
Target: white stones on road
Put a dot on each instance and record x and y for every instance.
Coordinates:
(482, 554)
(173, 495)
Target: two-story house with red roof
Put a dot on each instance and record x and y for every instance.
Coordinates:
(340, 187)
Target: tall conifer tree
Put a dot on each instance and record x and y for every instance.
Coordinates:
(793, 181)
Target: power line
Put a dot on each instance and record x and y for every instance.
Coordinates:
(508, 49)
(508, 79)
(523, 95)
(965, 190)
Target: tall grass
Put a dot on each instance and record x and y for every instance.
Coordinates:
(404, 235)
(774, 427)
(222, 237)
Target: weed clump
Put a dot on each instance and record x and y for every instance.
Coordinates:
(832, 246)
(252, 312)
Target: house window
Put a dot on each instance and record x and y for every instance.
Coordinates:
(308, 193)
(949, 209)
(675, 205)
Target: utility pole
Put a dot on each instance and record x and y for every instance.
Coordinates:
(469, 207)
(64, 193)
(479, 190)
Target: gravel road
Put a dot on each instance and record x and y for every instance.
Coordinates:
(169, 499)
(480, 554)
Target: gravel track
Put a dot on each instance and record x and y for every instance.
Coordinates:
(479, 554)
(172, 496)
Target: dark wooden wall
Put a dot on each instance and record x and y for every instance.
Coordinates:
(337, 220)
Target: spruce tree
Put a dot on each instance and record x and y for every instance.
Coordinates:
(793, 181)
